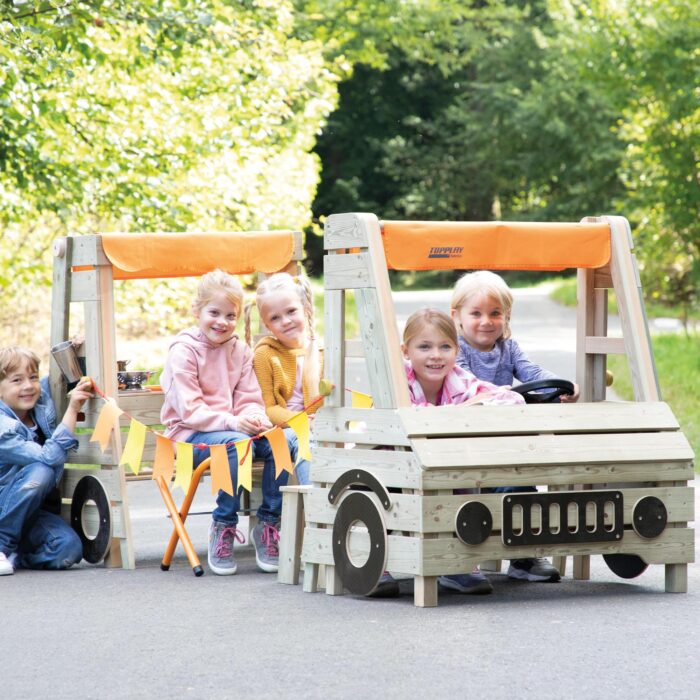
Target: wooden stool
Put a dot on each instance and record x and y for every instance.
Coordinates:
(291, 533)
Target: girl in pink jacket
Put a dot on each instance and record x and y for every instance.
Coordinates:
(212, 397)
(430, 348)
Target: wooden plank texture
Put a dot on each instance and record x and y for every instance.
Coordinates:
(350, 271)
(598, 417)
(535, 450)
(557, 475)
(442, 556)
(403, 552)
(359, 425)
(394, 469)
(635, 329)
(450, 556)
(343, 231)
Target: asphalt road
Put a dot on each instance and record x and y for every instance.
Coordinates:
(102, 633)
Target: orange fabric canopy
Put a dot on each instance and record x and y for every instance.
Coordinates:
(495, 245)
(145, 256)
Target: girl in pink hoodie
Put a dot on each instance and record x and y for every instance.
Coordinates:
(430, 350)
(212, 397)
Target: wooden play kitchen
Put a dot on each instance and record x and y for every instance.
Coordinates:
(85, 267)
(614, 478)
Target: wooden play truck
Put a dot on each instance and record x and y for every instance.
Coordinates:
(614, 478)
(94, 488)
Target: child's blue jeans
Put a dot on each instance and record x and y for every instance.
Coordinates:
(227, 506)
(42, 540)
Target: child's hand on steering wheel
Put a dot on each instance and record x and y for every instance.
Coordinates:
(570, 398)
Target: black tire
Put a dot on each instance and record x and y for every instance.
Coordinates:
(359, 506)
(625, 565)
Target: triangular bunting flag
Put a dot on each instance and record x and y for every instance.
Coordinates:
(133, 450)
(245, 464)
(183, 465)
(300, 425)
(280, 451)
(220, 470)
(360, 400)
(164, 461)
(105, 423)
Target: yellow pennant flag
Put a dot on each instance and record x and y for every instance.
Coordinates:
(300, 425)
(133, 450)
(280, 451)
(105, 423)
(220, 470)
(360, 400)
(164, 461)
(183, 465)
(244, 450)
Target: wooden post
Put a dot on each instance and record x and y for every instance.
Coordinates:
(60, 317)
(291, 533)
(425, 593)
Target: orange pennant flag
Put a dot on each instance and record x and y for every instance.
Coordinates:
(164, 461)
(360, 400)
(133, 450)
(105, 423)
(183, 465)
(300, 425)
(245, 464)
(280, 451)
(220, 470)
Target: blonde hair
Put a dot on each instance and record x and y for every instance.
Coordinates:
(483, 283)
(218, 282)
(418, 320)
(300, 289)
(11, 359)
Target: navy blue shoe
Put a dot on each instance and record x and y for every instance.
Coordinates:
(475, 583)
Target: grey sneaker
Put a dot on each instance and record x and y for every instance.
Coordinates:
(6, 568)
(536, 569)
(266, 537)
(220, 554)
(475, 583)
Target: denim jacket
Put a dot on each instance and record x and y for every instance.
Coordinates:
(17, 446)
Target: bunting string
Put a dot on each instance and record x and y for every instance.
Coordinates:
(178, 457)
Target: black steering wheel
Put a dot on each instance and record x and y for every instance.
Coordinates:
(559, 387)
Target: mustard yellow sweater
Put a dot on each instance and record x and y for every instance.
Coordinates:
(276, 369)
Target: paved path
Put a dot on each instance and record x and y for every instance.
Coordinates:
(99, 633)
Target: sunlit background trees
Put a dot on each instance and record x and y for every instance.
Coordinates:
(192, 115)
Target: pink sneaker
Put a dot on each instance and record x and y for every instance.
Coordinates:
(220, 553)
(266, 537)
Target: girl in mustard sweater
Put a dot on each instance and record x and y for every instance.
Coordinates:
(288, 362)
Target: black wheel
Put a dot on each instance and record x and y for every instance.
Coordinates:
(625, 565)
(557, 388)
(90, 490)
(358, 506)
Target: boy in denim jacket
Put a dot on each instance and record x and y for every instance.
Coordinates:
(32, 454)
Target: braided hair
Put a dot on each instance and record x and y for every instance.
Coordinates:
(299, 288)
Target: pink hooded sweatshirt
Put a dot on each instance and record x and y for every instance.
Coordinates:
(460, 386)
(207, 386)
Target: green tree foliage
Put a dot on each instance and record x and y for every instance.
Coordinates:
(545, 110)
(644, 57)
(507, 130)
(151, 116)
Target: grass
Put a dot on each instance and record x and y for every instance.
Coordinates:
(352, 325)
(678, 367)
(565, 293)
(677, 359)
